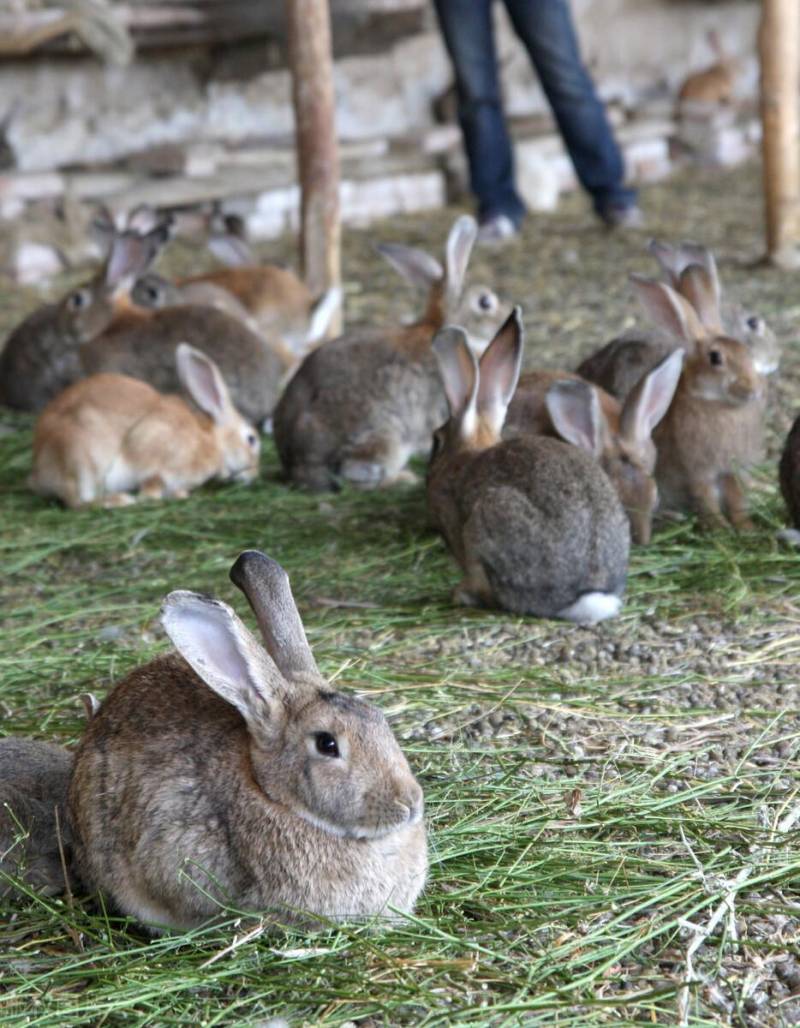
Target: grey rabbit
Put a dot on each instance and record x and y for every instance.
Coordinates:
(34, 777)
(533, 521)
(360, 406)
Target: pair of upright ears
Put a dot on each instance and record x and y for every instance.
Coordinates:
(480, 389)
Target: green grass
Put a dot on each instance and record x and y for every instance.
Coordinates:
(534, 912)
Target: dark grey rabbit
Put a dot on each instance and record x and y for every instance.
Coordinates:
(42, 356)
(361, 405)
(534, 522)
(34, 777)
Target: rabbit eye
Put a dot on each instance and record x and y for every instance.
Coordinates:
(252, 439)
(326, 744)
(754, 323)
(715, 357)
(486, 302)
(78, 300)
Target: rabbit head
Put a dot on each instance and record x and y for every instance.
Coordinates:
(718, 368)
(237, 442)
(476, 308)
(478, 392)
(622, 441)
(330, 758)
(750, 328)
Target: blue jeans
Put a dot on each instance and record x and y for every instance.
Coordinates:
(546, 29)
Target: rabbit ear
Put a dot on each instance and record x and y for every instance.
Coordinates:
(698, 286)
(499, 371)
(574, 409)
(231, 250)
(131, 255)
(416, 266)
(266, 586)
(202, 380)
(459, 371)
(457, 250)
(322, 310)
(668, 309)
(649, 400)
(219, 648)
(668, 258)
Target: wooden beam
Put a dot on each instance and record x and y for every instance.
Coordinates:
(311, 62)
(779, 53)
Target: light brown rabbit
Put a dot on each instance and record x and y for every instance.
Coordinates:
(534, 522)
(232, 774)
(109, 438)
(712, 432)
(618, 435)
(360, 406)
(34, 831)
(280, 303)
(714, 84)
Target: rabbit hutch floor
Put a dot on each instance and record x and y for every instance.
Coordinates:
(613, 811)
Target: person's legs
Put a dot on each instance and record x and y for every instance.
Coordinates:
(546, 29)
(469, 37)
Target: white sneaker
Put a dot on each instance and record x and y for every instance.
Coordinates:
(496, 229)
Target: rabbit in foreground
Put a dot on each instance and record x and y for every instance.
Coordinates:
(620, 364)
(42, 355)
(790, 480)
(712, 432)
(108, 436)
(360, 406)
(618, 435)
(534, 522)
(233, 774)
(33, 793)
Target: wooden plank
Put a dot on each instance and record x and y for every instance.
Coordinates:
(779, 52)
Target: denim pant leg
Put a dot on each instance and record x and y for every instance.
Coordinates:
(469, 37)
(546, 29)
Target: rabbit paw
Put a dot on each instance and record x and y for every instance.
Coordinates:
(465, 596)
(118, 500)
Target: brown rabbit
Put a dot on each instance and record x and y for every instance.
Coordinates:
(618, 435)
(33, 793)
(714, 84)
(43, 354)
(232, 774)
(109, 436)
(279, 302)
(361, 405)
(712, 432)
(534, 523)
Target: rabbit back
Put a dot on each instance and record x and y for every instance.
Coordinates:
(142, 345)
(621, 363)
(538, 519)
(38, 360)
(364, 397)
(34, 777)
(171, 831)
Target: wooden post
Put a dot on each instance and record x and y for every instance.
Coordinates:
(311, 60)
(779, 53)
